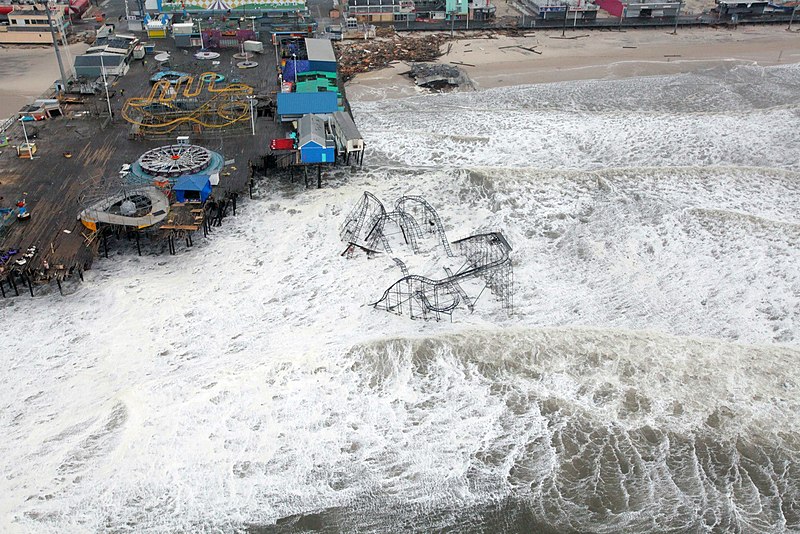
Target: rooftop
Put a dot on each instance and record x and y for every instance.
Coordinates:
(291, 104)
(320, 50)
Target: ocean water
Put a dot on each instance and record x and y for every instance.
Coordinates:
(647, 379)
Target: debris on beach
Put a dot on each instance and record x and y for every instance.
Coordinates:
(377, 54)
(438, 76)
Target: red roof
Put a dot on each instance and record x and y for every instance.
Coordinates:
(612, 7)
(79, 6)
(282, 144)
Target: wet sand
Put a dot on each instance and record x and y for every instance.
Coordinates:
(28, 71)
(592, 55)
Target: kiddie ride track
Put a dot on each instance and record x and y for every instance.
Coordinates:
(132, 207)
(192, 102)
(487, 258)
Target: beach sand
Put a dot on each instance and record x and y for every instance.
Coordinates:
(591, 55)
(28, 71)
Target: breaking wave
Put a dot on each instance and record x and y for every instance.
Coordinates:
(739, 115)
(645, 381)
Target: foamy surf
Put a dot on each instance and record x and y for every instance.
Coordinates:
(645, 380)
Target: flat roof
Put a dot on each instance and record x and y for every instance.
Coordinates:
(306, 103)
(320, 50)
(345, 122)
(94, 60)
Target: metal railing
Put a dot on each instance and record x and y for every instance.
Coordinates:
(528, 22)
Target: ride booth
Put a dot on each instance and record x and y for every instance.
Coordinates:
(192, 188)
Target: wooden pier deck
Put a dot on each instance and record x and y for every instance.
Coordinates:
(54, 186)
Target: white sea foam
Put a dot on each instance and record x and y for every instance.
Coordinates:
(739, 116)
(645, 380)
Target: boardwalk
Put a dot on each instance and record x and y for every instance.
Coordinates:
(54, 186)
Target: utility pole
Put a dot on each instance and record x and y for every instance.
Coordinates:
(251, 99)
(677, 14)
(25, 134)
(55, 47)
(566, 14)
(791, 19)
(105, 83)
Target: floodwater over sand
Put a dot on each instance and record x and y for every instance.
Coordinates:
(646, 380)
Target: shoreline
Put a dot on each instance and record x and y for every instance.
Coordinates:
(499, 62)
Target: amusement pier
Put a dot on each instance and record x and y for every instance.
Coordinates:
(154, 132)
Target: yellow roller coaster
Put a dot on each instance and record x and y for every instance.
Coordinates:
(195, 101)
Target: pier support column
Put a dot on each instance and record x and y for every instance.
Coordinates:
(58, 281)
(13, 283)
(319, 176)
(138, 247)
(2, 289)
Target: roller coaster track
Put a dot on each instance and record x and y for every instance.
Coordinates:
(423, 289)
(431, 217)
(367, 221)
(368, 212)
(460, 290)
(408, 226)
(160, 111)
(402, 266)
(430, 292)
(487, 257)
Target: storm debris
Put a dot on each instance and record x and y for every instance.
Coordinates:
(438, 76)
(365, 56)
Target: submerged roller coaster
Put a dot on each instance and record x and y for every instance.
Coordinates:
(487, 258)
(193, 104)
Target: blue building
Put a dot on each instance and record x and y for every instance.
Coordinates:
(320, 55)
(316, 141)
(294, 66)
(292, 106)
(192, 188)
